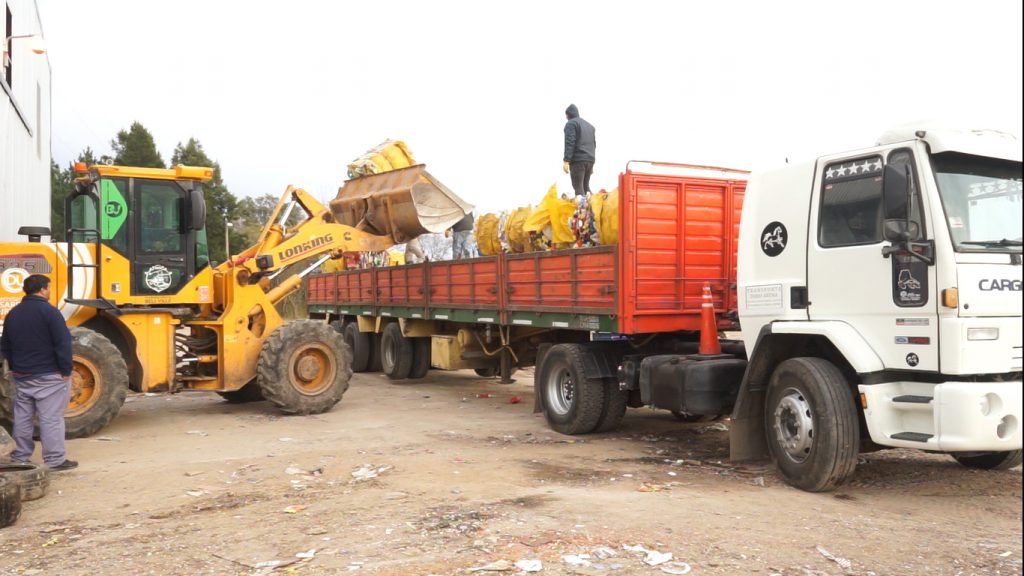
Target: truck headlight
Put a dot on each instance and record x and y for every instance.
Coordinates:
(983, 333)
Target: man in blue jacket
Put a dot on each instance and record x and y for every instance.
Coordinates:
(580, 150)
(37, 346)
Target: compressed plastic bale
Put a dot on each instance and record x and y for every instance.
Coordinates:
(386, 156)
(518, 239)
(485, 231)
(606, 215)
(552, 216)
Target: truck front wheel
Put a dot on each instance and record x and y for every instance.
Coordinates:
(989, 460)
(811, 424)
(572, 403)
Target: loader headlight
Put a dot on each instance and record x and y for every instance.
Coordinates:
(983, 333)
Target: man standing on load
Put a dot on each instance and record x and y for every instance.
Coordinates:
(580, 150)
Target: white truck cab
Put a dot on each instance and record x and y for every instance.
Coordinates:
(880, 299)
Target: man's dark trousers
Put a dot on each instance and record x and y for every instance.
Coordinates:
(580, 173)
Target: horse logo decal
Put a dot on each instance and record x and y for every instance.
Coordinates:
(774, 239)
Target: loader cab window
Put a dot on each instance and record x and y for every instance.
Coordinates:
(160, 210)
(851, 203)
(163, 256)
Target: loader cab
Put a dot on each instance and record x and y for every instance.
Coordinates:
(153, 218)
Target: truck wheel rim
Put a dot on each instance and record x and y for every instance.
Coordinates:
(794, 425)
(311, 370)
(85, 387)
(561, 391)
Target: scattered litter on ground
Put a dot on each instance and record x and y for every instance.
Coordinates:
(603, 553)
(530, 565)
(576, 559)
(368, 472)
(194, 473)
(514, 400)
(499, 566)
(294, 509)
(842, 562)
(307, 554)
(196, 493)
(106, 439)
(716, 427)
(197, 433)
(759, 481)
(286, 439)
(677, 568)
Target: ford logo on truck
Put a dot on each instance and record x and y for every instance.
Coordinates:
(999, 285)
(304, 247)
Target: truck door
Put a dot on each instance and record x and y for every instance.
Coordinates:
(161, 260)
(890, 301)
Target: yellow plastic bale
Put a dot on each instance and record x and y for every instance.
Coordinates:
(517, 238)
(386, 156)
(486, 233)
(606, 215)
(552, 217)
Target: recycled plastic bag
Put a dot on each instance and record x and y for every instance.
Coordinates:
(485, 231)
(606, 215)
(386, 156)
(517, 238)
(582, 224)
(552, 217)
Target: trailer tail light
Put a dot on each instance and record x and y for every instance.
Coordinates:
(951, 298)
(863, 401)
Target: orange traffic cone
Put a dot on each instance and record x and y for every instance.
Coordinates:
(708, 326)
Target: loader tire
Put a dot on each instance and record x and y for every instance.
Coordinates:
(99, 383)
(359, 343)
(304, 367)
(10, 501)
(396, 352)
(571, 402)
(249, 393)
(32, 478)
(420, 358)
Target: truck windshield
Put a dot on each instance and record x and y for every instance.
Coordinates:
(982, 201)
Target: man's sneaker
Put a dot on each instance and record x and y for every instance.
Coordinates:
(65, 465)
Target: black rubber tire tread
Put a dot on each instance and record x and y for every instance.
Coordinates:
(615, 401)
(359, 343)
(6, 400)
(989, 460)
(833, 452)
(33, 479)
(249, 393)
(401, 352)
(694, 418)
(374, 365)
(96, 348)
(10, 501)
(273, 372)
(588, 395)
(489, 372)
(338, 325)
(420, 358)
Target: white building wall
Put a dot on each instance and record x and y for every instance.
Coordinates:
(24, 127)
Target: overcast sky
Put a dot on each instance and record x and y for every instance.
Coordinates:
(289, 92)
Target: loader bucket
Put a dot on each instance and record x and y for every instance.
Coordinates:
(402, 203)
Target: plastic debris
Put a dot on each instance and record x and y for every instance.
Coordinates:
(603, 553)
(677, 568)
(842, 562)
(655, 558)
(515, 400)
(294, 470)
(484, 395)
(759, 481)
(307, 554)
(197, 493)
(197, 433)
(267, 564)
(294, 509)
(576, 559)
(530, 565)
(499, 566)
(648, 487)
(368, 472)
(716, 427)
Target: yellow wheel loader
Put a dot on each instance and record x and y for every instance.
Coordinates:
(148, 311)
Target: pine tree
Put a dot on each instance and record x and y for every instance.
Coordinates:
(221, 204)
(135, 147)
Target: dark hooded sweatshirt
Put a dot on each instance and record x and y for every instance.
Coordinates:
(580, 138)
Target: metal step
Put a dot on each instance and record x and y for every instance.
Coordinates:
(912, 399)
(912, 436)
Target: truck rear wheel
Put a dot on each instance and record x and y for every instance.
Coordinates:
(614, 407)
(572, 403)
(359, 343)
(304, 367)
(420, 357)
(989, 460)
(396, 352)
(811, 423)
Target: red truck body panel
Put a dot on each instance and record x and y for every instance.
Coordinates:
(676, 233)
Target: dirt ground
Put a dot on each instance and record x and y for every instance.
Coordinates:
(437, 477)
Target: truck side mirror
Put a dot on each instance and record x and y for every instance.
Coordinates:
(197, 210)
(896, 189)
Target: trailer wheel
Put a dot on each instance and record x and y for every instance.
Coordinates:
(811, 423)
(10, 501)
(359, 343)
(304, 367)
(989, 460)
(396, 352)
(572, 403)
(420, 358)
(32, 478)
(614, 409)
(249, 393)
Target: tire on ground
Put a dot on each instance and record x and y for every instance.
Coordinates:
(359, 343)
(249, 393)
(811, 424)
(32, 478)
(420, 357)
(396, 352)
(989, 460)
(614, 409)
(304, 367)
(10, 501)
(572, 403)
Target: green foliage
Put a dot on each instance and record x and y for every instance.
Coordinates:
(221, 204)
(135, 147)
